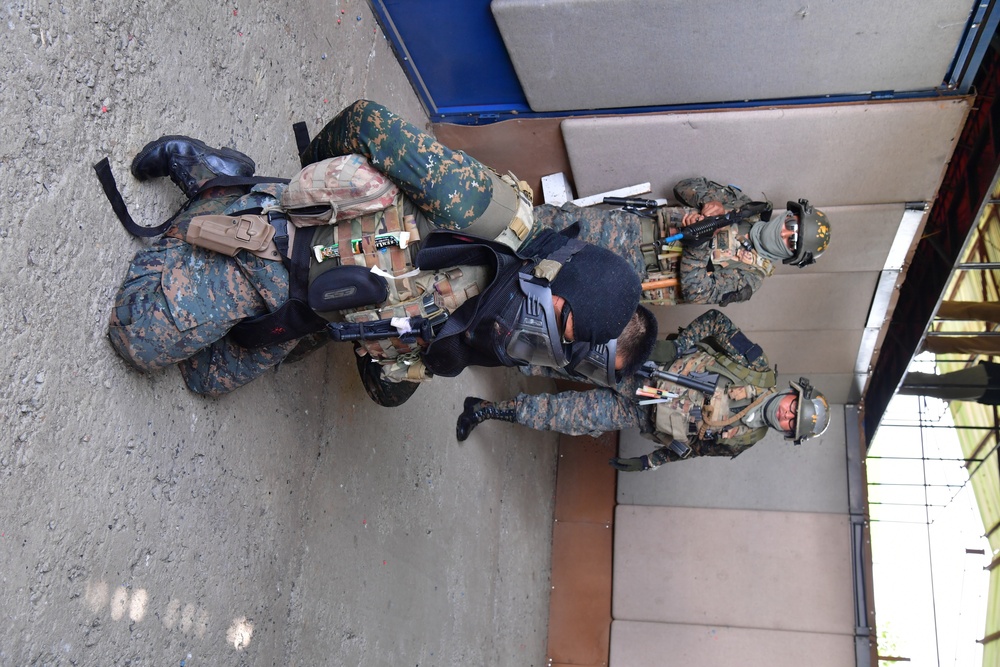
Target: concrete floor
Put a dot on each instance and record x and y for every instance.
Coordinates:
(292, 522)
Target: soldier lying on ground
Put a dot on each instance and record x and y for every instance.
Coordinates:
(719, 399)
(180, 303)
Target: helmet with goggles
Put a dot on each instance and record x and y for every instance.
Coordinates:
(812, 416)
(812, 233)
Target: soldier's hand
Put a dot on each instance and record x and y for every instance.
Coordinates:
(711, 208)
(636, 464)
(691, 218)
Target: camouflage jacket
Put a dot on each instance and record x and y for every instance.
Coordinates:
(707, 345)
(701, 280)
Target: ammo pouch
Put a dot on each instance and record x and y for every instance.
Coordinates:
(660, 283)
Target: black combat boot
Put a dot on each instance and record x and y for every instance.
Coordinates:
(478, 410)
(188, 162)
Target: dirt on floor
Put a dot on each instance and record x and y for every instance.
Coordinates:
(292, 522)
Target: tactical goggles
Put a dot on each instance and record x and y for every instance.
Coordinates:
(792, 224)
(596, 364)
(536, 337)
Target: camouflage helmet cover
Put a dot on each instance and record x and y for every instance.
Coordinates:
(814, 233)
(813, 415)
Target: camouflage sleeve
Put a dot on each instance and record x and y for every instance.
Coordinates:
(710, 324)
(722, 285)
(618, 231)
(714, 324)
(695, 192)
(698, 448)
(589, 412)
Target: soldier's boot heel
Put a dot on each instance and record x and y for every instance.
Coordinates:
(188, 162)
(476, 411)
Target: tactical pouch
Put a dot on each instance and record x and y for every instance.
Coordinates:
(337, 189)
(229, 234)
(346, 287)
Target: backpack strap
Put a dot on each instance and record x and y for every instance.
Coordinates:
(294, 318)
(107, 179)
(301, 131)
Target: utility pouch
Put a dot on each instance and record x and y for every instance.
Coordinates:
(229, 234)
(346, 287)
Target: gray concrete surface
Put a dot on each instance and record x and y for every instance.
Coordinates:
(290, 523)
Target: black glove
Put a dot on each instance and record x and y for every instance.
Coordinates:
(636, 464)
(736, 296)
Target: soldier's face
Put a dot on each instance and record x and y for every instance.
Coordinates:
(790, 233)
(557, 305)
(788, 406)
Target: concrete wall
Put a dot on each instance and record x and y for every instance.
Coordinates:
(737, 581)
(579, 54)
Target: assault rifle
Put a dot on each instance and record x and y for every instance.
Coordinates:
(703, 382)
(704, 228)
(637, 205)
(407, 329)
(701, 230)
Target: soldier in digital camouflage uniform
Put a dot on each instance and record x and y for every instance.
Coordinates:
(173, 286)
(726, 421)
(178, 302)
(728, 269)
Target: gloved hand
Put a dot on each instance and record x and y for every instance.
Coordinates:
(636, 464)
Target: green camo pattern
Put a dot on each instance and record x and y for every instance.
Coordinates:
(600, 410)
(451, 188)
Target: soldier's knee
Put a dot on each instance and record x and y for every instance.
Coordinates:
(364, 109)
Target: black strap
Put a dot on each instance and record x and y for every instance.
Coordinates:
(293, 319)
(279, 221)
(301, 139)
(107, 179)
(298, 273)
(110, 187)
(564, 253)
